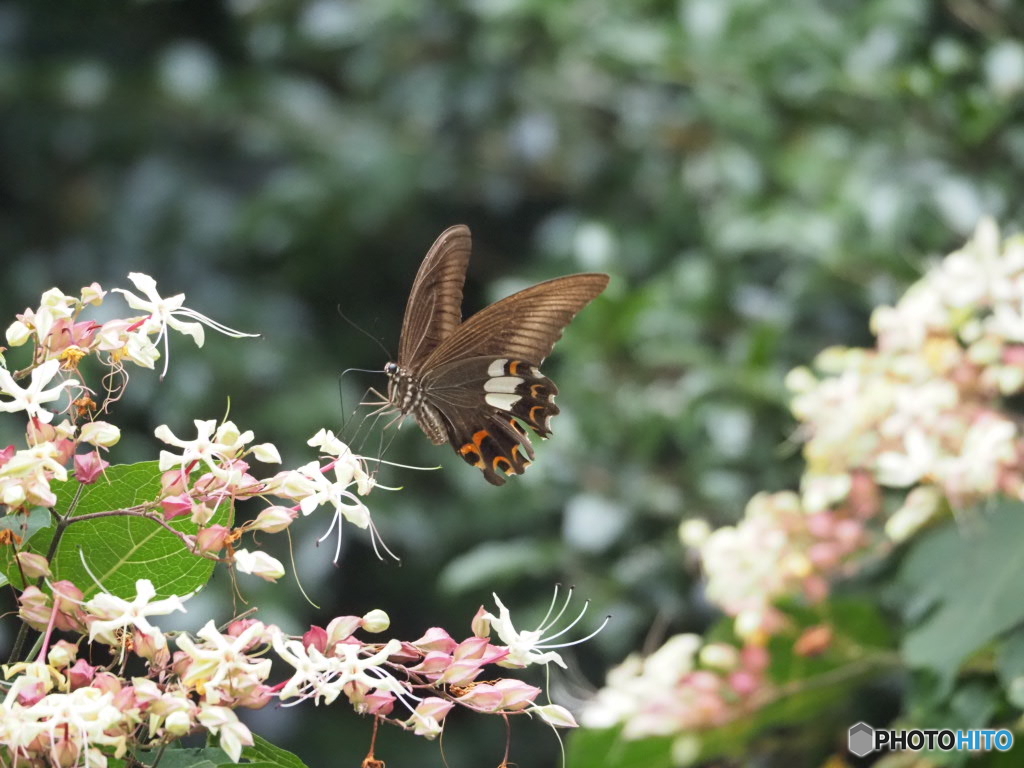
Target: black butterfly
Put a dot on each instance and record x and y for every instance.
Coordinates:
(471, 383)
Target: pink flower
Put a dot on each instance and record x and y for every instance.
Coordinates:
(89, 466)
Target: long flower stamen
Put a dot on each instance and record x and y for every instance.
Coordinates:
(581, 640)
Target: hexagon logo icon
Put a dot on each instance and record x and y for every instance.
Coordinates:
(861, 739)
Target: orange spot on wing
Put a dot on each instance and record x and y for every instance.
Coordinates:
(502, 464)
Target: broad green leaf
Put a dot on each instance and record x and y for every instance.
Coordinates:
(970, 578)
(268, 755)
(120, 549)
(1010, 666)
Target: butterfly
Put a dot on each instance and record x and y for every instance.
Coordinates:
(470, 383)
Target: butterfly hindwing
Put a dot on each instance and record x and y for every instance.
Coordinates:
(482, 401)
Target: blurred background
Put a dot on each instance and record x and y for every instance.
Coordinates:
(755, 177)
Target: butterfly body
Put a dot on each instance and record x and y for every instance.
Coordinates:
(471, 383)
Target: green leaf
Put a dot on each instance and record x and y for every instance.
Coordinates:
(969, 579)
(119, 549)
(1010, 666)
(268, 755)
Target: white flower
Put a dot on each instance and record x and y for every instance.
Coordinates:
(164, 314)
(220, 667)
(225, 723)
(81, 717)
(258, 564)
(113, 613)
(902, 468)
(528, 647)
(323, 677)
(213, 446)
(31, 398)
(267, 453)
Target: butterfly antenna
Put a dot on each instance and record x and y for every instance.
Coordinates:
(365, 332)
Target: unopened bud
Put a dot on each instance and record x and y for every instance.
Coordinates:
(274, 519)
(212, 539)
(376, 621)
(33, 565)
(100, 433)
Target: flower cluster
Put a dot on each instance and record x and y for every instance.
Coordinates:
(66, 710)
(70, 701)
(684, 685)
(917, 426)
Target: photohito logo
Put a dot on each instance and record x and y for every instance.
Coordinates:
(862, 739)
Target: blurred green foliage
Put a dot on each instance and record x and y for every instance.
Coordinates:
(754, 176)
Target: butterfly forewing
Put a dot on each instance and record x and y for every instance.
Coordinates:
(525, 325)
(434, 308)
(471, 383)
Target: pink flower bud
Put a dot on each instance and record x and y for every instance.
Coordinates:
(236, 628)
(743, 683)
(64, 752)
(38, 432)
(484, 697)
(126, 698)
(315, 637)
(755, 658)
(107, 682)
(212, 539)
(180, 662)
(70, 616)
(34, 609)
(515, 694)
(256, 697)
(480, 625)
(341, 628)
(176, 506)
(379, 703)
(81, 674)
(274, 519)
(435, 707)
(152, 646)
(435, 639)
(434, 663)
(33, 565)
(173, 482)
(89, 466)
(31, 693)
(460, 673)
(472, 648)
